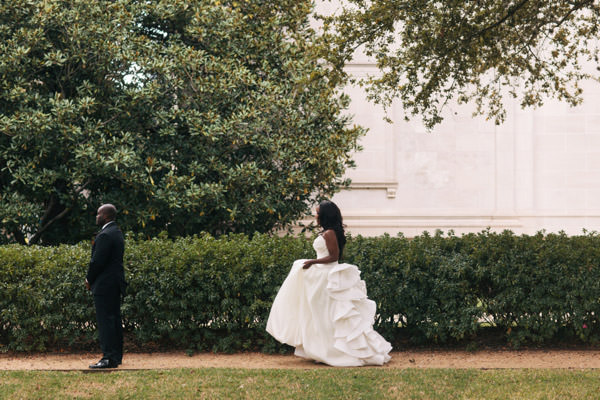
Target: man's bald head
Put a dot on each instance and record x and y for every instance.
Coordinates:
(105, 214)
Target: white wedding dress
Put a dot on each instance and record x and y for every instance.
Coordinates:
(324, 312)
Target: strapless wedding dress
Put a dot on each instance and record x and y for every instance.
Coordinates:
(324, 312)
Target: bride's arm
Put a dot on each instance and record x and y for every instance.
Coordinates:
(332, 248)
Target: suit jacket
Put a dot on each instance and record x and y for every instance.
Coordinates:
(105, 272)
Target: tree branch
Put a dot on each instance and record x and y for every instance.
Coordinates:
(509, 14)
(35, 238)
(512, 11)
(49, 208)
(576, 7)
(115, 116)
(18, 236)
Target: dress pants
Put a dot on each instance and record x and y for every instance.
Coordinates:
(110, 327)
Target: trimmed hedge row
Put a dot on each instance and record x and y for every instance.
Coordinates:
(205, 293)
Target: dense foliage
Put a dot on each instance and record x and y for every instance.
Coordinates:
(189, 116)
(206, 293)
(432, 51)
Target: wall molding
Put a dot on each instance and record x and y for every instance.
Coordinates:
(390, 187)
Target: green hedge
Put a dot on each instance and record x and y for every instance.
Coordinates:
(205, 293)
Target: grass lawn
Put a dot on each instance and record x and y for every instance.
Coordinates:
(371, 383)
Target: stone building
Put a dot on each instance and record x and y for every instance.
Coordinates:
(538, 170)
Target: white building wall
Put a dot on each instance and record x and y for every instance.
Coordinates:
(539, 170)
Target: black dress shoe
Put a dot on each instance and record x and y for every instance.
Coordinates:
(104, 363)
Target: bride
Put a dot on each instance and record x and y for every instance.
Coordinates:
(322, 307)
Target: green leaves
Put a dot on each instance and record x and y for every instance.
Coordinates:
(431, 52)
(214, 294)
(188, 116)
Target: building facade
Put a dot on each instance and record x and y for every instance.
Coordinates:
(540, 170)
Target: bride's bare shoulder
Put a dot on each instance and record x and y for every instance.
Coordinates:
(329, 234)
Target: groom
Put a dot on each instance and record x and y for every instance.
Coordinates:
(106, 279)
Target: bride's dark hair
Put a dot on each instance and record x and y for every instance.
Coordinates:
(330, 217)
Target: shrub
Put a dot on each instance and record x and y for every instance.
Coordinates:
(204, 293)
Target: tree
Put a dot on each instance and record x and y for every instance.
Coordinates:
(432, 51)
(187, 115)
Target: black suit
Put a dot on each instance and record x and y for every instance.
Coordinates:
(107, 280)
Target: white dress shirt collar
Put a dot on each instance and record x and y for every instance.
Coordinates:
(106, 224)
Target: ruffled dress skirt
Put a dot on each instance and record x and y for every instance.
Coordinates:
(325, 314)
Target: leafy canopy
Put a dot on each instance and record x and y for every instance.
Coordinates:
(432, 51)
(187, 115)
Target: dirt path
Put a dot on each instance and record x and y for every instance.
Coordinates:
(575, 359)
